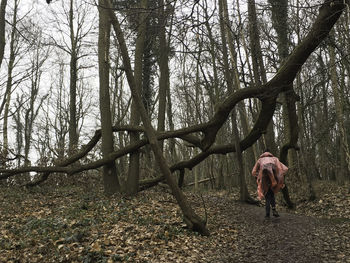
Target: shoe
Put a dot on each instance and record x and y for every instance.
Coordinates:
(274, 212)
(267, 216)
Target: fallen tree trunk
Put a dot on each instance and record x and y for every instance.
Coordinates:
(201, 181)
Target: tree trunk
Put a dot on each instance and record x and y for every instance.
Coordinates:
(5, 144)
(303, 152)
(73, 135)
(11, 64)
(164, 72)
(279, 21)
(30, 111)
(251, 152)
(61, 116)
(163, 68)
(172, 148)
(214, 93)
(259, 69)
(110, 177)
(244, 194)
(2, 29)
(19, 129)
(132, 183)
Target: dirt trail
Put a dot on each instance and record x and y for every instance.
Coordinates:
(289, 238)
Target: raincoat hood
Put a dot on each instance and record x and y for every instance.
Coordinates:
(266, 154)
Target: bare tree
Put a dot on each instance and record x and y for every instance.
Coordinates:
(14, 48)
(31, 110)
(73, 135)
(110, 178)
(132, 183)
(75, 21)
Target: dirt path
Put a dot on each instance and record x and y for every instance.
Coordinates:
(289, 238)
(284, 239)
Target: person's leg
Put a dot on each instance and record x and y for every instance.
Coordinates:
(273, 205)
(268, 202)
(273, 200)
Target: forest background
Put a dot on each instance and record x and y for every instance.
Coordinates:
(213, 83)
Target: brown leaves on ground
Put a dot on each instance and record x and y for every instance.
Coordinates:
(73, 224)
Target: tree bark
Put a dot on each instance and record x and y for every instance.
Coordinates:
(213, 89)
(279, 21)
(73, 134)
(2, 29)
(259, 71)
(8, 91)
(110, 177)
(163, 68)
(132, 183)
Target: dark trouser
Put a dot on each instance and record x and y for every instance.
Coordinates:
(270, 200)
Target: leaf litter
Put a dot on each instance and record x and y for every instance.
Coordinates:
(75, 224)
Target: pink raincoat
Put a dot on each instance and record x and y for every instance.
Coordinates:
(269, 166)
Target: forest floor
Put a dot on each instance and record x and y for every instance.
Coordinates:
(80, 224)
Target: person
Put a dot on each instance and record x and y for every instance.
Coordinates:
(269, 173)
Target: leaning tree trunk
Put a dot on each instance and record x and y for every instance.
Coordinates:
(192, 220)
